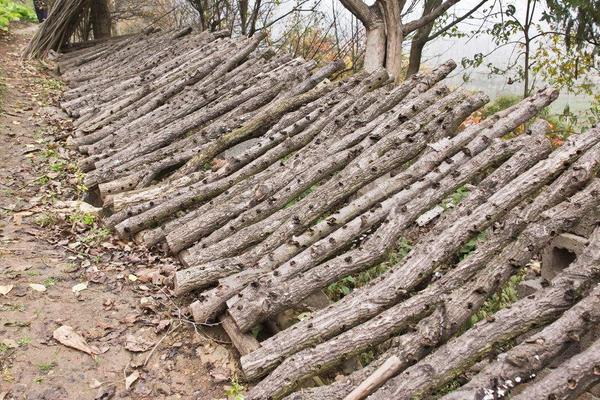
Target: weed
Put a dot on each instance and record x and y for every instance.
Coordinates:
(32, 273)
(455, 198)
(24, 341)
(344, 286)
(38, 380)
(3, 348)
(235, 391)
(50, 282)
(71, 267)
(96, 235)
(58, 166)
(45, 219)
(43, 180)
(84, 218)
(49, 153)
(45, 368)
(507, 295)
(470, 246)
(14, 11)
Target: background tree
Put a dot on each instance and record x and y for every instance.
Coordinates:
(386, 29)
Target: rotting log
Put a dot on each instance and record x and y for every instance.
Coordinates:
(569, 379)
(275, 293)
(483, 278)
(375, 297)
(522, 363)
(534, 310)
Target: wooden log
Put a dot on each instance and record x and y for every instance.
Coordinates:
(386, 371)
(274, 112)
(420, 83)
(243, 342)
(288, 126)
(537, 309)
(523, 362)
(409, 139)
(558, 219)
(314, 171)
(426, 254)
(303, 213)
(569, 379)
(280, 290)
(198, 191)
(436, 153)
(460, 301)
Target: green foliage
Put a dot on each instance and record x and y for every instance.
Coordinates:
(506, 296)
(48, 282)
(235, 391)
(470, 246)
(96, 235)
(345, 285)
(13, 11)
(84, 218)
(24, 341)
(45, 219)
(455, 198)
(46, 367)
(580, 19)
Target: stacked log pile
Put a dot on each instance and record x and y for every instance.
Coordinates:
(272, 180)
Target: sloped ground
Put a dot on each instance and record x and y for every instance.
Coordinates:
(46, 242)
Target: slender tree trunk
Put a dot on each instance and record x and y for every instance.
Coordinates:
(101, 23)
(420, 40)
(375, 50)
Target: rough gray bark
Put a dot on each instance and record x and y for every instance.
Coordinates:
(546, 305)
(380, 294)
(284, 288)
(524, 361)
(205, 190)
(569, 182)
(318, 170)
(569, 379)
(458, 305)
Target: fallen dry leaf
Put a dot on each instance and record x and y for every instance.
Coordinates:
(79, 287)
(68, 337)
(37, 287)
(139, 343)
(4, 290)
(131, 379)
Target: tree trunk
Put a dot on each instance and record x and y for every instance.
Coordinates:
(101, 21)
(375, 48)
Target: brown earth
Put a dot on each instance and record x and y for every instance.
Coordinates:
(125, 313)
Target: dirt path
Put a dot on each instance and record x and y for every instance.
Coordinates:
(110, 293)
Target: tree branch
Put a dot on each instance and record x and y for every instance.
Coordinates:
(445, 29)
(424, 20)
(360, 10)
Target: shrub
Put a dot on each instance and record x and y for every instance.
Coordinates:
(14, 11)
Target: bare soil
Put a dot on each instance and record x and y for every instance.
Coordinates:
(125, 313)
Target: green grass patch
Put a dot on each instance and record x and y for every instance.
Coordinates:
(506, 296)
(46, 367)
(344, 286)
